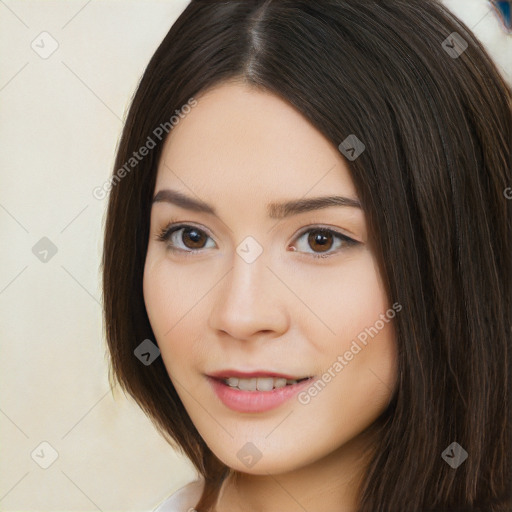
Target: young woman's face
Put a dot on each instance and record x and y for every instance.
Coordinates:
(238, 291)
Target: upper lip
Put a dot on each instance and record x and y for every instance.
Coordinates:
(226, 374)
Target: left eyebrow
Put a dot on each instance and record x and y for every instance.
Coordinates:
(288, 208)
(274, 210)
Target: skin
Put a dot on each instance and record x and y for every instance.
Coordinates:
(287, 312)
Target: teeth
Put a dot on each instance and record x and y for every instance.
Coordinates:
(265, 384)
(258, 383)
(281, 383)
(247, 384)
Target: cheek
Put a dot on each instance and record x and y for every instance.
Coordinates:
(158, 303)
(168, 295)
(163, 301)
(359, 358)
(173, 304)
(354, 390)
(345, 299)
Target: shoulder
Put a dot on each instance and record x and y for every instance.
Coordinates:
(183, 499)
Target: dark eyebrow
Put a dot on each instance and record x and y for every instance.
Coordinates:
(275, 210)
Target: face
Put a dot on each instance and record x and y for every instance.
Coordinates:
(246, 298)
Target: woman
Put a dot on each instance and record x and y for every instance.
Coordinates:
(307, 271)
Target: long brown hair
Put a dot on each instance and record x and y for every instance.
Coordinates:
(437, 127)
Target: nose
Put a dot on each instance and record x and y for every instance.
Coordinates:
(250, 302)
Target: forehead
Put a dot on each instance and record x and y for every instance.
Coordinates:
(240, 145)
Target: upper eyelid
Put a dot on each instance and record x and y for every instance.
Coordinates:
(319, 227)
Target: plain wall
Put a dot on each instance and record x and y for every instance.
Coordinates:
(60, 120)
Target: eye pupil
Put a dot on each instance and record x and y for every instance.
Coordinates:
(320, 238)
(195, 236)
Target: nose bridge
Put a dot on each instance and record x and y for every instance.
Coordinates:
(248, 302)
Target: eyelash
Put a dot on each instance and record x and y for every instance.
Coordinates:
(165, 234)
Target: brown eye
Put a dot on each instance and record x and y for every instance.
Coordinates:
(184, 238)
(193, 238)
(320, 243)
(320, 240)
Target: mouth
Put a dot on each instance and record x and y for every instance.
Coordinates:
(255, 391)
(261, 383)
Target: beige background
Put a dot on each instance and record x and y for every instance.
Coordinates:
(60, 121)
(61, 117)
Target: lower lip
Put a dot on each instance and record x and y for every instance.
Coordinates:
(255, 401)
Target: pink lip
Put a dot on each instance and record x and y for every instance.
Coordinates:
(254, 401)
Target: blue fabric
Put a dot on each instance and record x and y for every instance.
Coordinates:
(504, 9)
